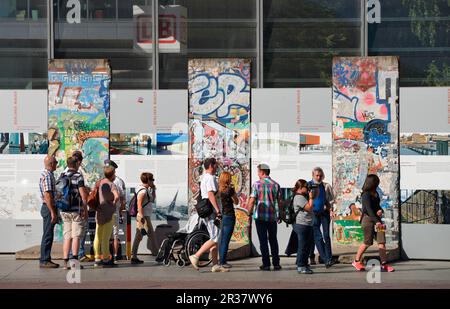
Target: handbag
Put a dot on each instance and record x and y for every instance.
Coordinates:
(204, 208)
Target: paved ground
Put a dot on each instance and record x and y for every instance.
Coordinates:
(244, 274)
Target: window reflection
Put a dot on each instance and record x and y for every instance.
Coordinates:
(109, 29)
(213, 29)
(302, 36)
(23, 44)
(419, 35)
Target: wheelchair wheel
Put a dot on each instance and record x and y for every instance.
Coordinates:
(193, 243)
(162, 251)
(181, 263)
(167, 262)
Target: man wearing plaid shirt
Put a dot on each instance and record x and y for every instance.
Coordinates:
(48, 211)
(266, 196)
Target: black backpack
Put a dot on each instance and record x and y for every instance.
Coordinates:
(286, 209)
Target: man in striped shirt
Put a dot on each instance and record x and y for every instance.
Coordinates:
(265, 196)
(48, 211)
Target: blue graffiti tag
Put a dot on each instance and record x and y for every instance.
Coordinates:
(104, 93)
(216, 96)
(346, 73)
(376, 133)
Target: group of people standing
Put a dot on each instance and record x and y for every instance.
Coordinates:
(111, 195)
(313, 206)
(313, 210)
(312, 203)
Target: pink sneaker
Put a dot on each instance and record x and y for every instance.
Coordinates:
(387, 268)
(358, 266)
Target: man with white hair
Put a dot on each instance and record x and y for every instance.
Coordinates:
(323, 202)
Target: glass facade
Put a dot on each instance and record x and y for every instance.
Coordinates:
(418, 31)
(214, 29)
(291, 42)
(23, 44)
(108, 29)
(300, 39)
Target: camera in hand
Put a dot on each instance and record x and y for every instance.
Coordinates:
(217, 221)
(311, 186)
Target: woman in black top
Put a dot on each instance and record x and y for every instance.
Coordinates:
(228, 198)
(371, 224)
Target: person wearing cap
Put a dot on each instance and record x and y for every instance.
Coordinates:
(120, 206)
(108, 196)
(78, 155)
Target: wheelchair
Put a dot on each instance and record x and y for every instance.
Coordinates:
(177, 248)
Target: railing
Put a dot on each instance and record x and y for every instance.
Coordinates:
(425, 206)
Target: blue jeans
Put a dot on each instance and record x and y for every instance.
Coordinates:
(47, 235)
(305, 241)
(267, 233)
(227, 231)
(323, 242)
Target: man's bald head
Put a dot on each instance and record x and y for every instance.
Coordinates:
(50, 162)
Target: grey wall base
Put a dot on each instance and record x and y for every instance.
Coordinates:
(426, 241)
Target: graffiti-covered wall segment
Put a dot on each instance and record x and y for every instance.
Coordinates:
(219, 110)
(78, 113)
(365, 141)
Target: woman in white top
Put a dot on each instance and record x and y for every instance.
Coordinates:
(145, 198)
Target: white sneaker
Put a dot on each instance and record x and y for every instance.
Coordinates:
(219, 269)
(194, 261)
(226, 265)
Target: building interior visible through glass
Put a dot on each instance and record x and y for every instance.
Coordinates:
(298, 39)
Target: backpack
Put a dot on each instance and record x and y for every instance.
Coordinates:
(93, 200)
(132, 206)
(64, 195)
(286, 209)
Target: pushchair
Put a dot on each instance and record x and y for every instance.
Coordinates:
(178, 246)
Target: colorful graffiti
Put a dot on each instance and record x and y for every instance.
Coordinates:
(365, 141)
(78, 113)
(219, 112)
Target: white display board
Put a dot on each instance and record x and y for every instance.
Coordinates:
(23, 111)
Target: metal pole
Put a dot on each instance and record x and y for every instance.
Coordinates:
(259, 44)
(155, 39)
(364, 29)
(50, 31)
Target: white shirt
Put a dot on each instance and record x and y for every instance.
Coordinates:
(148, 209)
(120, 184)
(208, 183)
